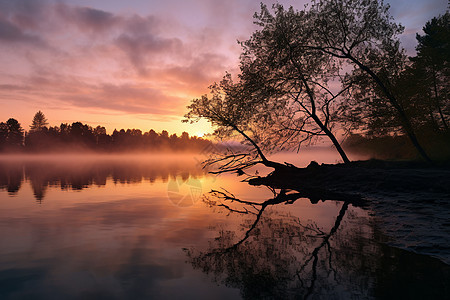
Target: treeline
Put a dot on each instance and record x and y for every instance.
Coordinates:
(398, 146)
(82, 137)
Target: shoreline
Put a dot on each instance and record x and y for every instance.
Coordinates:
(409, 199)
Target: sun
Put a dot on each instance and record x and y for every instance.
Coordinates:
(200, 134)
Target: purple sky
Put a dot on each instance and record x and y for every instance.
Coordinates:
(132, 64)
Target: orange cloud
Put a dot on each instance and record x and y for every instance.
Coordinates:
(148, 61)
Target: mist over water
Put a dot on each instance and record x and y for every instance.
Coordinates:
(141, 226)
(78, 171)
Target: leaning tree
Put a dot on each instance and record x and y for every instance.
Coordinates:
(282, 97)
(361, 34)
(300, 65)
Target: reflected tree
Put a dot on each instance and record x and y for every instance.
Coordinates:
(80, 175)
(11, 177)
(280, 256)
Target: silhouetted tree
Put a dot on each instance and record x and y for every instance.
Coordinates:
(288, 81)
(78, 136)
(39, 138)
(361, 33)
(185, 136)
(164, 134)
(282, 96)
(39, 122)
(102, 139)
(287, 64)
(82, 134)
(150, 139)
(230, 114)
(3, 134)
(15, 133)
(421, 89)
(432, 61)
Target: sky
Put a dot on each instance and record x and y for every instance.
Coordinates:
(135, 63)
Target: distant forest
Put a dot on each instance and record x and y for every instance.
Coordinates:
(82, 137)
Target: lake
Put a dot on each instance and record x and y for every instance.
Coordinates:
(145, 227)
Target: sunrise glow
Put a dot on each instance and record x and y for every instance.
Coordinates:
(128, 65)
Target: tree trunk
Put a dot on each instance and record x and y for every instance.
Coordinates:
(265, 161)
(436, 99)
(332, 138)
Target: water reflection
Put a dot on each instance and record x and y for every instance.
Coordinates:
(279, 255)
(120, 236)
(78, 174)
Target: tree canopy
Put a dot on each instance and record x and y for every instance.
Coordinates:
(39, 122)
(308, 73)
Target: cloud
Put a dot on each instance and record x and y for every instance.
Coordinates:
(127, 98)
(64, 92)
(17, 23)
(87, 19)
(62, 56)
(11, 33)
(196, 75)
(140, 47)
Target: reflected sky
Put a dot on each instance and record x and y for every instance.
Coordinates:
(77, 174)
(139, 229)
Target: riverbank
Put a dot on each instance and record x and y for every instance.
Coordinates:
(410, 200)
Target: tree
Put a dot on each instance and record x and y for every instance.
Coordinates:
(362, 34)
(39, 122)
(421, 90)
(290, 68)
(432, 61)
(3, 134)
(15, 133)
(82, 134)
(164, 135)
(230, 113)
(289, 80)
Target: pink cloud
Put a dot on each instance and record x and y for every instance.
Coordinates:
(111, 57)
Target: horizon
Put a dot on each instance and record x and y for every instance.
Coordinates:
(135, 64)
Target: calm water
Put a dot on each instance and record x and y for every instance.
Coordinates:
(145, 228)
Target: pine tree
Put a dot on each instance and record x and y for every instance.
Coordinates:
(39, 122)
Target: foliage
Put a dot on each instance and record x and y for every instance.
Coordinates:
(11, 135)
(39, 122)
(230, 113)
(432, 64)
(282, 98)
(422, 91)
(290, 80)
(301, 64)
